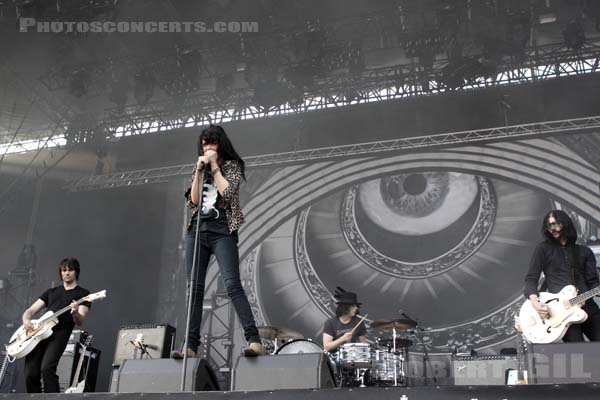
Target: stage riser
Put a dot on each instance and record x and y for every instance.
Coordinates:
(162, 375)
(531, 392)
(565, 362)
(286, 371)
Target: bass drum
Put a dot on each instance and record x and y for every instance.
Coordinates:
(303, 346)
(300, 346)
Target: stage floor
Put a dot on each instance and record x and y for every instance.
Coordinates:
(546, 392)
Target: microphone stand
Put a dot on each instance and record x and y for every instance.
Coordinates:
(426, 359)
(192, 280)
(142, 347)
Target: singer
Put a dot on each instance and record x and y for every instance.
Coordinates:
(220, 170)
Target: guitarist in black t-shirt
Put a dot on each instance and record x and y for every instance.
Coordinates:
(41, 363)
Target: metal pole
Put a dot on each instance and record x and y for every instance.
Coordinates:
(191, 284)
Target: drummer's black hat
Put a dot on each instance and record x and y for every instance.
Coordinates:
(344, 297)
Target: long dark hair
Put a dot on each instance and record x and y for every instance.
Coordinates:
(70, 263)
(568, 228)
(215, 134)
(342, 309)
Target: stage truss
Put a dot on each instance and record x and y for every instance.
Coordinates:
(513, 132)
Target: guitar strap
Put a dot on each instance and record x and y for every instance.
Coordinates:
(573, 252)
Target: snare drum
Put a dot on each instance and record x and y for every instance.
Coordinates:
(355, 355)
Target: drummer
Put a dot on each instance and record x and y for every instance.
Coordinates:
(340, 329)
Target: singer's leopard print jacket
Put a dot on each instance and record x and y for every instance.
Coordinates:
(229, 200)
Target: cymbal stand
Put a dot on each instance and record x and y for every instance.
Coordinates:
(426, 360)
(276, 340)
(394, 360)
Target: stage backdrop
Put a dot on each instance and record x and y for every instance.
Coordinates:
(442, 236)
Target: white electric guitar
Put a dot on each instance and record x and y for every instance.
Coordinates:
(78, 387)
(565, 310)
(23, 342)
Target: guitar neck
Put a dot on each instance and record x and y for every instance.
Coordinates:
(520, 354)
(61, 311)
(79, 364)
(584, 296)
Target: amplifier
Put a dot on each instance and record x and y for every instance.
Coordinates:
(135, 342)
(482, 370)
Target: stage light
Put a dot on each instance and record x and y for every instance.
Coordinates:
(270, 93)
(118, 86)
(574, 35)
(79, 83)
(547, 18)
(189, 63)
(144, 84)
(356, 60)
(224, 86)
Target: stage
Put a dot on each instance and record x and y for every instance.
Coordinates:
(547, 392)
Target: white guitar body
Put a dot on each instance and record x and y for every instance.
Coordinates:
(22, 342)
(562, 315)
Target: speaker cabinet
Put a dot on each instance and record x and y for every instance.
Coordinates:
(162, 375)
(157, 340)
(557, 363)
(283, 371)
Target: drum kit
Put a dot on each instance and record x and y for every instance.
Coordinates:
(382, 362)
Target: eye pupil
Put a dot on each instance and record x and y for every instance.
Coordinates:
(415, 195)
(415, 184)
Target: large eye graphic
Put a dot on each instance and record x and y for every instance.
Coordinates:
(444, 236)
(418, 203)
(424, 242)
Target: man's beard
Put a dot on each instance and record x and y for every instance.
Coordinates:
(558, 238)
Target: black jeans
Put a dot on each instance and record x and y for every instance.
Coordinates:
(225, 249)
(41, 363)
(590, 327)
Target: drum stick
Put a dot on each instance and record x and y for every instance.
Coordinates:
(359, 322)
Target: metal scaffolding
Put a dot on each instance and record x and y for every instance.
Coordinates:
(538, 129)
(217, 346)
(327, 91)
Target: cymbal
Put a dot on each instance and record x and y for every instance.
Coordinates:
(400, 342)
(400, 323)
(274, 332)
